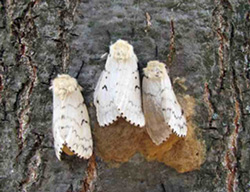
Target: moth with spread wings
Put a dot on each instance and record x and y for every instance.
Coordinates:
(118, 92)
(162, 111)
(71, 129)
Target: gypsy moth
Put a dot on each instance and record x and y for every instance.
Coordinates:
(162, 111)
(71, 129)
(118, 92)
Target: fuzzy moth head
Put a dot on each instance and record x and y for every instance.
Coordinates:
(63, 85)
(155, 70)
(121, 50)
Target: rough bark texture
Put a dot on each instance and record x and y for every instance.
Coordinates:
(206, 47)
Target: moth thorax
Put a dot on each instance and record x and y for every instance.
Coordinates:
(121, 50)
(64, 85)
(155, 70)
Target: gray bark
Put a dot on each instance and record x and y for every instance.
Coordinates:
(210, 49)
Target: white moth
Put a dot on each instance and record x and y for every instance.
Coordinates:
(162, 111)
(118, 92)
(71, 129)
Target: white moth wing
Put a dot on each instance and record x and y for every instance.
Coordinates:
(71, 125)
(171, 109)
(58, 136)
(79, 138)
(128, 92)
(104, 98)
(156, 126)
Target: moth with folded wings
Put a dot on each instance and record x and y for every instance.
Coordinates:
(71, 128)
(118, 92)
(162, 111)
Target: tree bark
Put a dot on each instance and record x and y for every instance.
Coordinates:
(205, 45)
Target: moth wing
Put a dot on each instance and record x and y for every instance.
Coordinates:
(58, 138)
(128, 93)
(104, 99)
(71, 125)
(79, 138)
(173, 114)
(156, 127)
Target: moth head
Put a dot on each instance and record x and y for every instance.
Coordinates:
(63, 85)
(121, 50)
(155, 70)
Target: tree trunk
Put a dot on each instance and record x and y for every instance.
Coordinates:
(205, 45)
